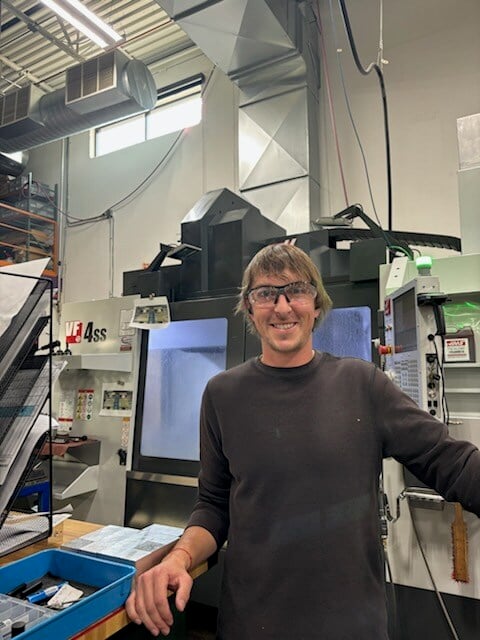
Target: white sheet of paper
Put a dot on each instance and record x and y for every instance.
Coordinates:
(14, 291)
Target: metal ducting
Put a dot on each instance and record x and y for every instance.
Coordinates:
(19, 111)
(11, 167)
(102, 90)
(268, 48)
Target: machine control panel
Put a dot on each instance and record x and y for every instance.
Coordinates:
(413, 350)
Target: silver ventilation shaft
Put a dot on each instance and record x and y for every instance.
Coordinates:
(269, 49)
(102, 90)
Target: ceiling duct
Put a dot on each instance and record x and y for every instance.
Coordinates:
(97, 83)
(11, 167)
(102, 90)
(19, 111)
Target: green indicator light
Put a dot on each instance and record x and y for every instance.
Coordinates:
(423, 262)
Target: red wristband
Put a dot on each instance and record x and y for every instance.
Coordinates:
(188, 554)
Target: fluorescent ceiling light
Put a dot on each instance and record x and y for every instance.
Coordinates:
(85, 21)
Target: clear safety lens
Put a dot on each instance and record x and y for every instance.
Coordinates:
(296, 292)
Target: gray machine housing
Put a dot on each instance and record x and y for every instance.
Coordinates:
(219, 235)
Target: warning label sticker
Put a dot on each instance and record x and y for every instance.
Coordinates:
(457, 350)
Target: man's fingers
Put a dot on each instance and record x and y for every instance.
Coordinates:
(131, 610)
(148, 601)
(183, 593)
(151, 603)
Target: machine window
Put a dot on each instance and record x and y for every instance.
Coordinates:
(346, 332)
(180, 360)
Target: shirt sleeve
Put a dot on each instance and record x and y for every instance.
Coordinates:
(422, 443)
(211, 510)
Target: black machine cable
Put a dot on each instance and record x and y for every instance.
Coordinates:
(441, 373)
(350, 113)
(432, 580)
(108, 212)
(373, 66)
(384, 513)
(392, 247)
(393, 598)
(78, 222)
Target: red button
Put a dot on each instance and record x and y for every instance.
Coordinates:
(384, 350)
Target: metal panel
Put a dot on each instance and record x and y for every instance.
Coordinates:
(148, 502)
(468, 134)
(235, 34)
(273, 140)
(88, 323)
(469, 200)
(289, 203)
(271, 79)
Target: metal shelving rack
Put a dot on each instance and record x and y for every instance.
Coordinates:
(25, 389)
(31, 195)
(28, 222)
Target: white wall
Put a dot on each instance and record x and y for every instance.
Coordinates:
(432, 78)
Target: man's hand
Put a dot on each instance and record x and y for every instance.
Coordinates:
(148, 601)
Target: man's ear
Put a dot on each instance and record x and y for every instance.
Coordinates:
(247, 306)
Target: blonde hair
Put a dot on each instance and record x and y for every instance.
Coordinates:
(274, 260)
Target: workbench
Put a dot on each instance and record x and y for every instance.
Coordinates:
(65, 532)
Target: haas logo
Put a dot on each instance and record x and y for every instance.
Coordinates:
(73, 331)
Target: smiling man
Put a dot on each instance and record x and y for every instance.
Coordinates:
(291, 451)
(283, 298)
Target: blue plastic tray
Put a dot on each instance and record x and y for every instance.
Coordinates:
(112, 579)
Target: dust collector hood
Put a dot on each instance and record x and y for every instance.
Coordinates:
(102, 90)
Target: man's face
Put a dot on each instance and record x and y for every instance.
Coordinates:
(285, 328)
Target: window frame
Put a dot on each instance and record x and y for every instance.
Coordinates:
(168, 95)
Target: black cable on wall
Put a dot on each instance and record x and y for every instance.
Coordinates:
(366, 71)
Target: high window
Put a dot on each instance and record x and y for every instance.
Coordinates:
(178, 106)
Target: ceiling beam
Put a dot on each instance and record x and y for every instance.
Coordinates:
(31, 77)
(36, 28)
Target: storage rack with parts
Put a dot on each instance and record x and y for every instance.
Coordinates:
(28, 222)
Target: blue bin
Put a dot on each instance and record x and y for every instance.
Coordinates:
(112, 579)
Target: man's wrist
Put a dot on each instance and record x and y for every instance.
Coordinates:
(186, 554)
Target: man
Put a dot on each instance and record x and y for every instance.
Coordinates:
(291, 451)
